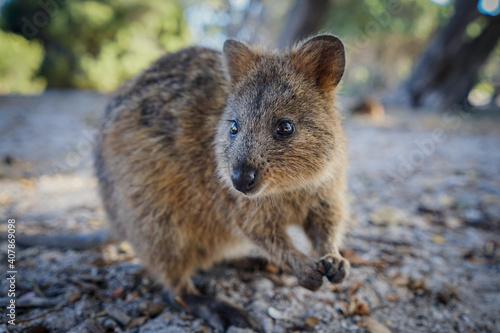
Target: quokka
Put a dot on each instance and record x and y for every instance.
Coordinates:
(204, 151)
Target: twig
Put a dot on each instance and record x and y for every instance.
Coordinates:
(276, 279)
(36, 287)
(77, 242)
(25, 320)
(384, 240)
(32, 302)
(184, 305)
(87, 287)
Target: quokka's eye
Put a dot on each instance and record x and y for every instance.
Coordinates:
(285, 128)
(234, 128)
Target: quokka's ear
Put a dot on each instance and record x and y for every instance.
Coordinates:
(322, 58)
(239, 59)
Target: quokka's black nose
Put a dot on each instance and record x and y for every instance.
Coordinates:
(244, 178)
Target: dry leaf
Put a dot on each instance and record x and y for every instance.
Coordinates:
(137, 322)
(418, 285)
(362, 309)
(438, 239)
(276, 279)
(312, 321)
(271, 269)
(392, 297)
(400, 280)
(134, 295)
(354, 288)
(352, 305)
(341, 307)
(118, 293)
(354, 259)
(73, 296)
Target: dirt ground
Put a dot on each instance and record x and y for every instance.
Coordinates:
(424, 242)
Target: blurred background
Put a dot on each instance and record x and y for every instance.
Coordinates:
(430, 53)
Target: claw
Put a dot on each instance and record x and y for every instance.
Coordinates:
(334, 267)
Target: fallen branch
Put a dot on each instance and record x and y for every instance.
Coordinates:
(394, 242)
(32, 302)
(25, 320)
(76, 242)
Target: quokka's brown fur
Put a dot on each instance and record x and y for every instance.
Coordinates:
(167, 157)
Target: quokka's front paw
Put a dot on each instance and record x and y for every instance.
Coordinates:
(334, 267)
(309, 277)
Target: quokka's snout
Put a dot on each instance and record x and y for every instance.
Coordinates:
(262, 147)
(244, 178)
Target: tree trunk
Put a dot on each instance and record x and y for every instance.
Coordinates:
(304, 20)
(448, 68)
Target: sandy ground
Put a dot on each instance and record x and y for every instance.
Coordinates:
(424, 241)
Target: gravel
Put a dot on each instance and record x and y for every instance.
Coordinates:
(424, 241)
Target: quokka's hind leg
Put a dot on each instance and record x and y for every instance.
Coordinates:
(219, 314)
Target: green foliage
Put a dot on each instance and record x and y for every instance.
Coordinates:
(96, 44)
(418, 18)
(19, 62)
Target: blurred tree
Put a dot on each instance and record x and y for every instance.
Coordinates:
(96, 44)
(447, 69)
(304, 19)
(212, 22)
(382, 37)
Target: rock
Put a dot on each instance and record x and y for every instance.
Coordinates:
(88, 326)
(275, 314)
(234, 329)
(472, 216)
(265, 286)
(452, 222)
(117, 314)
(389, 216)
(430, 206)
(108, 323)
(373, 326)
